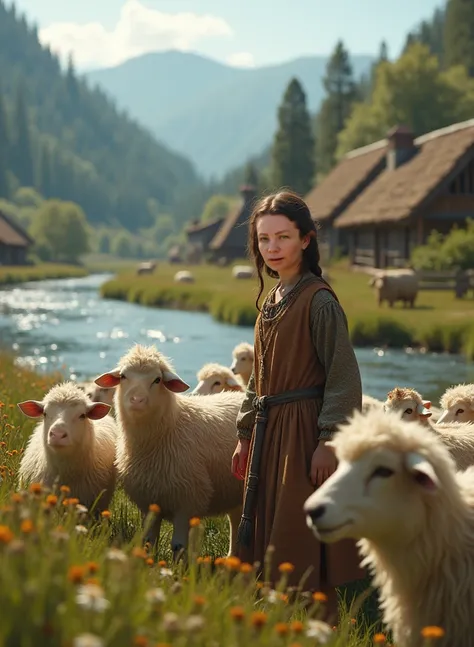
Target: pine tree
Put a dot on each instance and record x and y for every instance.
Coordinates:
(23, 161)
(293, 146)
(341, 93)
(459, 34)
(250, 175)
(4, 149)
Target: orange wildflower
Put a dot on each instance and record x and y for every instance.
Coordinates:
(320, 597)
(281, 628)
(65, 489)
(232, 563)
(237, 613)
(153, 507)
(26, 526)
(258, 619)
(139, 552)
(194, 522)
(246, 568)
(140, 641)
(199, 600)
(51, 499)
(379, 639)
(16, 497)
(36, 488)
(92, 567)
(297, 626)
(149, 561)
(76, 574)
(432, 631)
(105, 514)
(286, 567)
(6, 535)
(162, 563)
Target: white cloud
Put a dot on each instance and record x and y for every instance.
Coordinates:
(241, 59)
(138, 30)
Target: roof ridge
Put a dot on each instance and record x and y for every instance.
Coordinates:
(447, 130)
(368, 148)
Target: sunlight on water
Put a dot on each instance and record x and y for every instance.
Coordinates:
(64, 325)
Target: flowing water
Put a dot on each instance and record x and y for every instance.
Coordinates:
(64, 324)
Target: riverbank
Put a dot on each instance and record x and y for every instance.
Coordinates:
(113, 591)
(11, 274)
(438, 323)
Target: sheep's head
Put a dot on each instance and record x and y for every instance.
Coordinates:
(214, 378)
(243, 356)
(143, 377)
(65, 410)
(409, 404)
(388, 478)
(457, 403)
(100, 394)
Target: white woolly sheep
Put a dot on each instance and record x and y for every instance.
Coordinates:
(214, 378)
(396, 491)
(243, 272)
(369, 402)
(395, 285)
(100, 394)
(242, 364)
(73, 445)
(147, 267)
(184, 276)
(457, 403)
(174, 450)
(409, 404)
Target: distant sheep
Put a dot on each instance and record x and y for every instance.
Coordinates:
(395, 285)
(73, 445)
(214, 378)
(184, 276)
(457, 403)
(243, 272)
(174, 450)
(396, 491)
(242, 364)
(146, 267)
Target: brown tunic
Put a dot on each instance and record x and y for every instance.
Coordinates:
(285, 359)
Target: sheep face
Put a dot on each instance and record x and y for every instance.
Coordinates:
(408, 404)
(65, 419)
(141, 385)
(214, 378)
(242, 363)
(374, 498)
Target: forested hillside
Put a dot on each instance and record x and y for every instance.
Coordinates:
(70, 141)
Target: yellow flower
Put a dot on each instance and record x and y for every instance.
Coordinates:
(286, 567)
(105, 514)
(432, 632)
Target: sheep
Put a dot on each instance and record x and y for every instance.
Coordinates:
(396, 491)
(74, 444)
(184, 276)
(174, 450)
(214, 378)
(457, 403)
(368, 402)
(242, 364)
(399, 285)
(146, 267)
(99, 394)
(409, 404)
(243, 272)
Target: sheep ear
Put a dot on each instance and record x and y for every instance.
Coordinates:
(233, 382)
(98, 410)
(422, 472)
(174, 383)
(108, 380)
(423, 410)
(31, 408)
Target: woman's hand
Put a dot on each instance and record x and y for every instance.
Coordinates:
(240, 458)
(323, 464)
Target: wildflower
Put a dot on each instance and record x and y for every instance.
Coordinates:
(432, 632)
(194, 522)
(219, 560)
(246, 568)
(75, 574)
(87, 640)
(320, 597)
(139, 552)
(140, 641)
(162, 563)
(297, 626)
(6, 535)
(166, 572)
(149, 561)
(171, 622)
(65, 489)
(91, 596)
(199, 600)
(286, 567)
(81, 509)
(153, 507)
(81, 530)
(194, 623)
(26, 526)
(232, 563)
(379, 639)
(319, 630)
(155, 596)
(258, 619)
(276, 596)
(92, 567)
(51, 499)
(16, 497)
(116, 555)
(237, 613)
(36, 488)
(105, 514)
(281, 628)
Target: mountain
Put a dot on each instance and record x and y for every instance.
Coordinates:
(71, 141)
(216, 115)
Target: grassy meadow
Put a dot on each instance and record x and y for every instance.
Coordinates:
(438, 322)
(11, 274)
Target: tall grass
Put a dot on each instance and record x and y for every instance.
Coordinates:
(20, 274)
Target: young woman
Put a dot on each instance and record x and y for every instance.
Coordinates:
(306, 382)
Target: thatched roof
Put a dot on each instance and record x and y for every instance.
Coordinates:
(12, 234)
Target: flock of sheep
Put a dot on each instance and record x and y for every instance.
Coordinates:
(399, 488)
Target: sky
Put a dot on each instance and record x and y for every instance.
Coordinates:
(244, 33)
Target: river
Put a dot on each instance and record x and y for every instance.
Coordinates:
(64, 324)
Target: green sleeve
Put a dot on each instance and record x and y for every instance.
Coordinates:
(343, 386)
(246, 415)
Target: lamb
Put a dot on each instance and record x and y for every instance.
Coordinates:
(242, 364)
(184, 276)
(74, 445)
(174, 450)
(99, 394)
(395, 285)
(396, 491)
(243, 272)
(457, 403)
(214, 378)
(409, 404)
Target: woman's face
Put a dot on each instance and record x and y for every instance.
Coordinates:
(280, 244)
